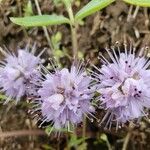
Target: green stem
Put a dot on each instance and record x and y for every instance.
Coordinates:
(67, 141)
(108, 145)
(74, 41)
(73, 27)
(128, 136)
(126, 141)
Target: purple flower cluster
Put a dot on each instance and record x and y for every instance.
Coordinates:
(124, 86)
(17, 72)
(64, 96)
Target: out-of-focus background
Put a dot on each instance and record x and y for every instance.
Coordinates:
(118, 22)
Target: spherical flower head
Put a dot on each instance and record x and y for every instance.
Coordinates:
(124, 86)
(65, 97)
(17, 72)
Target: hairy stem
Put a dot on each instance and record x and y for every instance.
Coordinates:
(126, 141)
(73, 27)
(129, 13)
(127, 138)
(136, 11)
(74, 42)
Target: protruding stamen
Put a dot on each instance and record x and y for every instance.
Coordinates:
(115, 53)
(100, 54)
(3, 52)
(141, 53)
(118, 47)
(125, 49)
(111, 56)
(39, 55)
(33, 48)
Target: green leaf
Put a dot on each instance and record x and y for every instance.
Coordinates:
(50, 128)
(67, 2)
(3, 97)
(92, 7)
(103, 137)
(47, 147)
(74, 141)
(83, 146)
(56, 2)
(144, 3)
(40, 20)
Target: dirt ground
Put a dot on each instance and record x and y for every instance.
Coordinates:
(118, 22)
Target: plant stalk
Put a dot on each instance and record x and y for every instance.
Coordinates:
(45, 29)
(84, 127)
(73, 27)
(74, 41)
(67, 141)
(128, 136)
(126, 141)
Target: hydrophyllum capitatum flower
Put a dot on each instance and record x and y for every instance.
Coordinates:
(17, 72)
(65, 96)
(124, 86)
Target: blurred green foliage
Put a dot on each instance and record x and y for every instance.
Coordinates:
(143, 3)
(28, 11)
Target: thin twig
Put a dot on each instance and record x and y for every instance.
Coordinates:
(126, 141)
(108, 145)
(44, 28)
(129, 13)
(21, 133)
(128, 136)
(146, 17)
(136, 12)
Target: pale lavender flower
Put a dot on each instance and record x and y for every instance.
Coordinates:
(65, 96)
(124, 86)
(17, 72)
